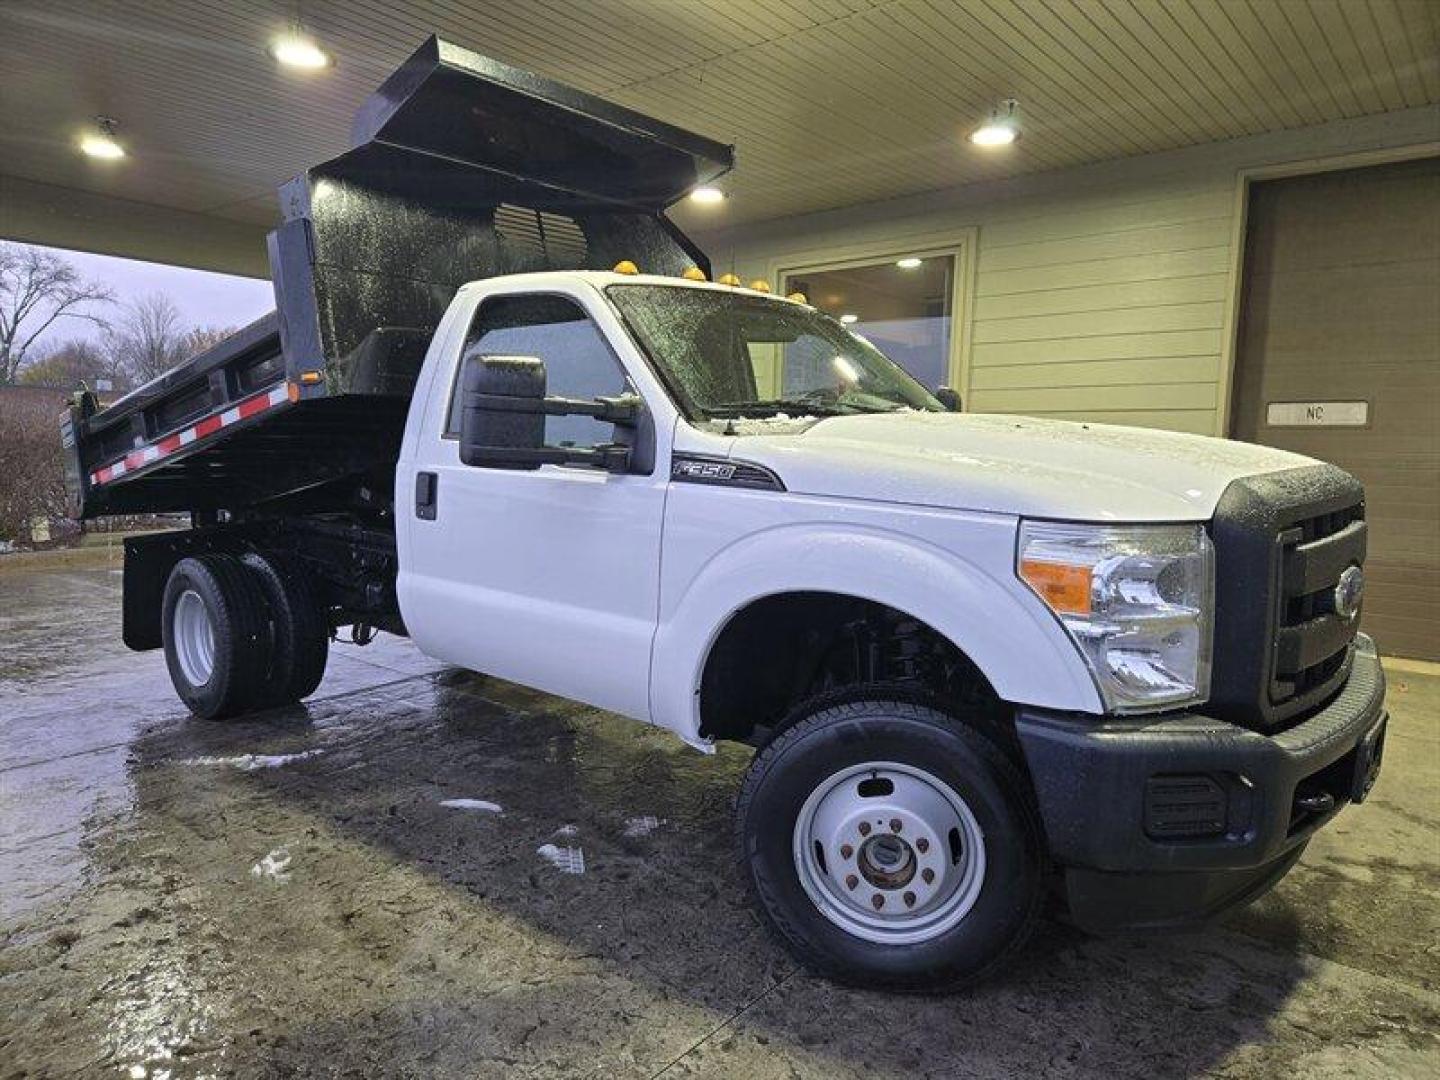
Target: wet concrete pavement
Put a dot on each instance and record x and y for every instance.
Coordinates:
(173, 905)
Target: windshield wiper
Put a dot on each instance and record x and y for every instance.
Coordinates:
(798, 407)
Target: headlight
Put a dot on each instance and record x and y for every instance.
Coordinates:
(1137, 601)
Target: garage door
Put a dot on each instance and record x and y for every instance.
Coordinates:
(1339, 358)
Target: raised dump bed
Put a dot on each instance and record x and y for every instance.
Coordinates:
(462, 168)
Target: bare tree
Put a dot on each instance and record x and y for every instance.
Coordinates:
(147, 340)
(32, 479)
(201, 339)
(74, 363)
(37, 289)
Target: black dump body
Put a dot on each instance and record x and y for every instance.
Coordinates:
(462, 168)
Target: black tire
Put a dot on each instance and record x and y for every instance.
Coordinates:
(839, 732)
(238, 621)
(299, 636)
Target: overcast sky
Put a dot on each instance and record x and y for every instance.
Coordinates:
(203, 298)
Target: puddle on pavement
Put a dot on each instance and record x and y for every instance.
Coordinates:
(73, 701)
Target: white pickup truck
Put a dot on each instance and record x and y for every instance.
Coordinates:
(983, 659)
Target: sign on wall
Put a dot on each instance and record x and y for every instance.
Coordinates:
(1317, 413)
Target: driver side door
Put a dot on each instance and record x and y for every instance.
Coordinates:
(549, 576)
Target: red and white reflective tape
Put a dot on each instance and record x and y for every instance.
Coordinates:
(136, 459)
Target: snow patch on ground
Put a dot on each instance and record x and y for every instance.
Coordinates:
(472, 804)
(274, 866)
(252, 762)
(642, 826)
(568, 860)
(566, 830)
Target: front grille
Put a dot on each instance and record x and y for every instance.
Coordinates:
(1313, 642)
(1281, 543)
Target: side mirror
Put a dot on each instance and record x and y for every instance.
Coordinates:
(502, 418)
(949, 398)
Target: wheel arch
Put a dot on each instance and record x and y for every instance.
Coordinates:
(999, 627)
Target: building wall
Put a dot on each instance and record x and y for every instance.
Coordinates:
(1105, 292)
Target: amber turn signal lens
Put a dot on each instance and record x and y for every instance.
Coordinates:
(1065, 587)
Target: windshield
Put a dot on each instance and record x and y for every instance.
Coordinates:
(727, 355)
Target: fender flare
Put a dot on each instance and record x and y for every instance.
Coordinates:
(1001, 626)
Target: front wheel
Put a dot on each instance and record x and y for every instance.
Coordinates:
(891, 845)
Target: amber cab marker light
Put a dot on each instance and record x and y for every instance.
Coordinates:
(1065, 587)
(760, 285)
(694, 273)
(798, 297)
(625, 266)
(728, 279)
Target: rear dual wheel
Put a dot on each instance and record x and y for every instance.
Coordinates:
(891, 845)
(241, 634)
(299, 633)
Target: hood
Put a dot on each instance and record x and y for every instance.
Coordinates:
(1010, 464)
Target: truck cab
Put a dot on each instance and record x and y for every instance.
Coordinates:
(986, 662)
(1153, 632)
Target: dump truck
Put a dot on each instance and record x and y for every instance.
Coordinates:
(989, 664)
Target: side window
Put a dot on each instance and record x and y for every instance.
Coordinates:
(579, 362)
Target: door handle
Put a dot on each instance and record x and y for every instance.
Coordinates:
(427, 492)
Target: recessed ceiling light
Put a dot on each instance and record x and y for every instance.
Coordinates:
(295, 50)
(1000, 130)
(707, 195)
(910, 262)
(101, 143)
(994, 135)
(847, 319)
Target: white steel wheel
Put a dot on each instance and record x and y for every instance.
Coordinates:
(889, 853)
(194, 636)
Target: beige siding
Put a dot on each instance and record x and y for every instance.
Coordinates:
(1099, 293)
(1155, 292)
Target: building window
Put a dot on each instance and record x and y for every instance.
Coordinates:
(903, 305)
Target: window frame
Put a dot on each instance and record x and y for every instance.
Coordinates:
(959, 245)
